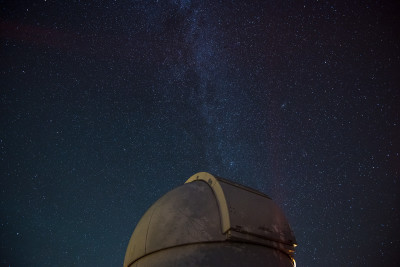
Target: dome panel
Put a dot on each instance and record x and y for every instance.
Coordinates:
(255, 217)
(137, 244)
(188, 214)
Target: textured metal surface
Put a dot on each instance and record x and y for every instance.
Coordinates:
(248, 215)
(187, 214)
(217, 254)
(219, 195)
(256, 218)
(210, 221)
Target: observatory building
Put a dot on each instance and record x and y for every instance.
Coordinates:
(210, 221)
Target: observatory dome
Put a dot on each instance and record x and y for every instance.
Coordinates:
(210, 221)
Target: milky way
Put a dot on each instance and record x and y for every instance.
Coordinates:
(105, 107)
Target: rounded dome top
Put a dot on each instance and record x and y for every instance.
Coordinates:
(205, 210)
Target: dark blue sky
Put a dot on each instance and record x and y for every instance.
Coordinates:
(105, 107)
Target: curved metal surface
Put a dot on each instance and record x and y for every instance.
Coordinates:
(216, 254)
(249, 215)
(188, 214)
(219, 194)
(211, 221)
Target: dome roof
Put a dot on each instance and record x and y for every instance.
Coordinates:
(209, 217)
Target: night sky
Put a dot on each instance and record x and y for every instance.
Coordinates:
(106, 106)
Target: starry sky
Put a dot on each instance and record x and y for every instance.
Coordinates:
(107, 105)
